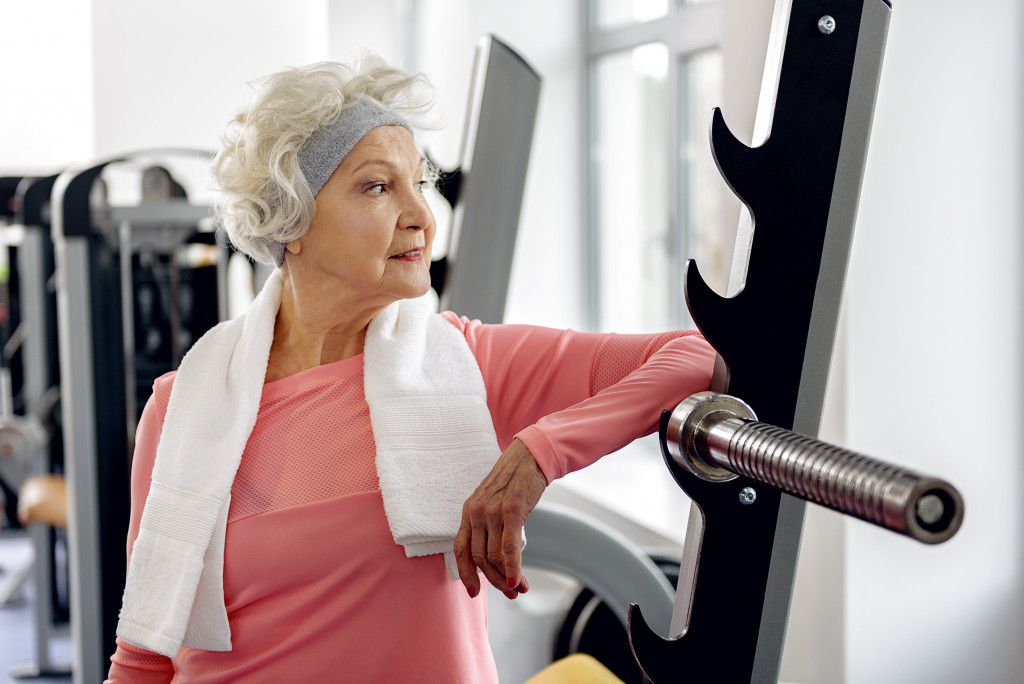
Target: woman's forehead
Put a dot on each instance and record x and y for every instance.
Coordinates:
(385, 144)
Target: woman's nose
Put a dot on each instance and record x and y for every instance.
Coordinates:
(416, 213)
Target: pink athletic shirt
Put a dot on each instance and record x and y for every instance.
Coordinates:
(315, 587)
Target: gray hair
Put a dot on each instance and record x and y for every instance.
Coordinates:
(265, 199)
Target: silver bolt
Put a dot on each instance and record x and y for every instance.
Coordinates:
(930, 509)
(826, 24)
(748, 496)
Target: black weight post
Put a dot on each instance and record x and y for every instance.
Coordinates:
(774, 336)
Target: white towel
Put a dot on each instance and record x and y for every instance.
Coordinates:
(435, 443)
(434, 436)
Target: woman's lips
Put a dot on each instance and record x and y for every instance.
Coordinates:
(411, 255)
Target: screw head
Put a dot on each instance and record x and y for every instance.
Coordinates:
(826, 24)
(930, 509)
(748, 496)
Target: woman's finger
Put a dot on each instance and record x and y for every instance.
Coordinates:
(498, 581)
(495, 554)
(511, 551)
(464, 560)
(478, 536)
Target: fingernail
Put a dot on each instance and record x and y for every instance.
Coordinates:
(471, 591)
(511, 583)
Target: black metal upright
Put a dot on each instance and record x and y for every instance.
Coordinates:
(97, 464)
(774, 336)
(34, 264)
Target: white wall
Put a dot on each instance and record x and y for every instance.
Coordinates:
(172, 74)
(87, 79)
(934, 366)
(388, 30)
(46, 118)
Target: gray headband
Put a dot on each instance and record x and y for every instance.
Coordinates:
(327, 147)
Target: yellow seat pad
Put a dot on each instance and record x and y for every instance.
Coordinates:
(578, 668)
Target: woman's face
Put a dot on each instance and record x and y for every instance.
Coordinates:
(372, 229)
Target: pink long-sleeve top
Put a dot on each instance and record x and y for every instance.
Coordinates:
(315, 587)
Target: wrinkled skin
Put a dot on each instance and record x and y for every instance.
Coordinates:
(492, 523)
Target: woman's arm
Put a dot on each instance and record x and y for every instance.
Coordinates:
(131, 663)
(567, 398)
(630, 391)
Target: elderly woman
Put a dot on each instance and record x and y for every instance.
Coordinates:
(311, 485)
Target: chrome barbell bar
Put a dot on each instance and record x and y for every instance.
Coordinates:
(717, 438)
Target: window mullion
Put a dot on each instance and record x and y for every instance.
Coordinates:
(686, 32)
(677, 225)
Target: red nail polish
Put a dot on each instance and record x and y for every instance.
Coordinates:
(511, 583)
(471, 591)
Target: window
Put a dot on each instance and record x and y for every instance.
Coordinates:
(607, 15)
(655, 197)
(630, 187)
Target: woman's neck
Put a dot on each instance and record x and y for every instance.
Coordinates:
(314, 326)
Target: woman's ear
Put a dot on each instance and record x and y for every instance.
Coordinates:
(295, 246)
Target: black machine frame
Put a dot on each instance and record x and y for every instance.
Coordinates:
(775, 334)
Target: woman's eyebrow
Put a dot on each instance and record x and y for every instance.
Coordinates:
(382, 162)
(373, 162)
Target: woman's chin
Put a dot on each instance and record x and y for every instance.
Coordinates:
(412, 290)
(420, 288)
(422, 292)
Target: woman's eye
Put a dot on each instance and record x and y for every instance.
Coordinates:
(377, 189)
(423, 185)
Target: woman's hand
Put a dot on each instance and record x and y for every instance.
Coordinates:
(492, 523)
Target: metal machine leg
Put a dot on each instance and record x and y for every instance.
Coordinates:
(81, 468)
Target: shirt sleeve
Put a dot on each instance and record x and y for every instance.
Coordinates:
(573, 397)
(134, 665)
(131, 663)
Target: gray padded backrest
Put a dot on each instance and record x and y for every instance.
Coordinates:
(496, 151)
(603, 560)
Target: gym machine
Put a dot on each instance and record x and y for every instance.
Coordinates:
(486, 190)
(30, 427)
(15, 460)
(774, 335)
(136, 285)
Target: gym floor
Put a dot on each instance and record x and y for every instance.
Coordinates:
(17, 633)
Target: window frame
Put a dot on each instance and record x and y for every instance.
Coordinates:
(686, 30)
